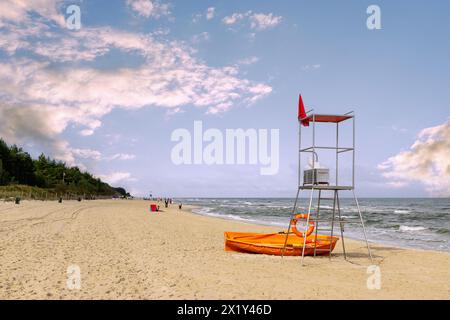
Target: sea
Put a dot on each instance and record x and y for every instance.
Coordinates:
(406, 222)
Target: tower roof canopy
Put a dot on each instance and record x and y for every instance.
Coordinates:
(327, 117)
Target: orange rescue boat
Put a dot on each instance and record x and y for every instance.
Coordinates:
(273, 243)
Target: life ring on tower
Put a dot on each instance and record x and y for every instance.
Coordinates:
(294, 225)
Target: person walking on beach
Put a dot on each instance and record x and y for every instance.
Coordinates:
(180, 206)
(166, 202)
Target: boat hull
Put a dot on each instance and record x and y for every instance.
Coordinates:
(273, 244)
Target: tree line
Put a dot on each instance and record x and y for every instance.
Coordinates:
(17, 167)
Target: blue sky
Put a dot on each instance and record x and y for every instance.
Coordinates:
(108, 96)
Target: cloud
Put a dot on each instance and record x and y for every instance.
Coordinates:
(87, 132)
(260, 21)
(257, 21)
(399, 129)
(248, 61)
(39, 124)
(97, 155)
(87, 153)
(427, 162)
(17, 11)
(122, 156)
(197, 17)
(43, 125)
(220, 108)
(114, 178)
(49, 88)
(210, 13)
(149, 8)
(204, 36)
(311, 67)
(232, 19)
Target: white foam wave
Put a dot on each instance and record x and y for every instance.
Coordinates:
(406, 228)
(208, 212)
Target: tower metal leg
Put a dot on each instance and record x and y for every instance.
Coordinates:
(307, 224)
(294, 210)
(317, 222)
(340, 225)
(363, 227)
(332, 222)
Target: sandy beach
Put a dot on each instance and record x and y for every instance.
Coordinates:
(125, 252)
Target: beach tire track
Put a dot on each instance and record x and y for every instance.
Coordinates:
(20, 208)
(20, 223)
(28, 222)
(73, 216)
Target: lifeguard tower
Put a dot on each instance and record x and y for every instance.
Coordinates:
(317, 180)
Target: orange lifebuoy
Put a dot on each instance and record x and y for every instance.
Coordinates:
(294, 225)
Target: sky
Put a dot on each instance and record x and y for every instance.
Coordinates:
(109, 95)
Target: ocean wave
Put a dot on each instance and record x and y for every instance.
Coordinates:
(443, 231)
(421, 224)
(407, 228)
(402, 211)
(209, 212)
(203, 210)
(277, 206)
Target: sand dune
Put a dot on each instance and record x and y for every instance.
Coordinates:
(125, 252)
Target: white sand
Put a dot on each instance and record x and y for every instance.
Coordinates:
(126, 252)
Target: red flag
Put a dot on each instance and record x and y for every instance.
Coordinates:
(301, 112)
